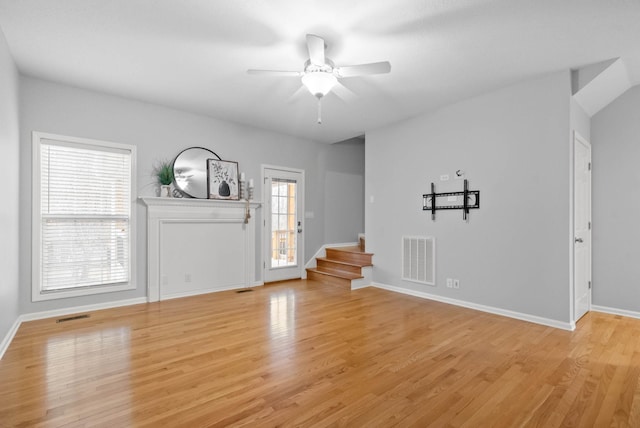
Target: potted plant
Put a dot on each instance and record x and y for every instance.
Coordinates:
(164, 173)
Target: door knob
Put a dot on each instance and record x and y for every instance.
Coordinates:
(578, 240)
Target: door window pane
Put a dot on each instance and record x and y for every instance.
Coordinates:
(284, 238)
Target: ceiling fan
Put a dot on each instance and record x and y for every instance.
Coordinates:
(320, 74)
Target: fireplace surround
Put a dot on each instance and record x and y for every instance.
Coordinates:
(197, 246)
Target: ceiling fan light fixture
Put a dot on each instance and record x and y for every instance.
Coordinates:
(319, 83)
(320, 74)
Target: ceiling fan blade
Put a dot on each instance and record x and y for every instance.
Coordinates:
(344, 93)
(297, 95)
(316, 49)
(276, 73)
(363, 69)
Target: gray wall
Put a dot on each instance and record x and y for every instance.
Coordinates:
(615, 145)
(344, 192)
(9, 219)
(514, 146)
(161, 133)
(580, 120)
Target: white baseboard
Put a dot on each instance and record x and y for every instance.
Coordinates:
(208, 291)
(77, 309)
(9, 337)
(489, 309)
(615, 311)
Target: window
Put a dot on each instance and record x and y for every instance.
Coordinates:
(83, 216)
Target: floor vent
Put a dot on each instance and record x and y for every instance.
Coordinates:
(76, 317)
(419, 259)
(246, 290)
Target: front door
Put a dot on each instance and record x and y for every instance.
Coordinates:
(283, 228)
(582, 226)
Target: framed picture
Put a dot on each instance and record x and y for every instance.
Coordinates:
(222, 179)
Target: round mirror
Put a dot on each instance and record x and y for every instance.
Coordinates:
(190, 171)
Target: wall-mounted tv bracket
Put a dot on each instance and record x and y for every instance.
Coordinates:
(470, 201)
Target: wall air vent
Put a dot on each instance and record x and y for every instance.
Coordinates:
(419, 259)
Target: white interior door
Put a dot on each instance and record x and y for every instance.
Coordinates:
(582, 226)
(283, 223)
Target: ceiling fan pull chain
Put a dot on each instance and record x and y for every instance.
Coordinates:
(319, 111)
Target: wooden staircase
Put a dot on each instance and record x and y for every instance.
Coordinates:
(343, 266)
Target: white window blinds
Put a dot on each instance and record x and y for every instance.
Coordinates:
(85, 215)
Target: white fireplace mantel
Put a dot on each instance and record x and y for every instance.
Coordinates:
(197, 246)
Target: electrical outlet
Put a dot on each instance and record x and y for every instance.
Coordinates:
(456, 283)
(187, 277)
(449, 283)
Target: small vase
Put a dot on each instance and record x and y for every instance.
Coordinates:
(223, 189)
(165, 191)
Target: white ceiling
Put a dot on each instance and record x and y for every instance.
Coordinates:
(193, 54)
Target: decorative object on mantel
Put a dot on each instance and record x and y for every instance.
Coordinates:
(222, 179)
(164, 173)
(470, 200)
(246, 195)
(190, 171)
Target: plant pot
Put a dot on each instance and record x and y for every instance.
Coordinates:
(165, 191)
(224, 190)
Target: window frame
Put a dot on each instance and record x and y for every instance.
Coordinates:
(36, 210)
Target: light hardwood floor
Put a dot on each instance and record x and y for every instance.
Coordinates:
(303, 354)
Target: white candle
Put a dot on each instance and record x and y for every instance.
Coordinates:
(242, 176)
(251, 182)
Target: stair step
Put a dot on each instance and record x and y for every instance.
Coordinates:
(336, 273)
(328, 278)
(349, 255)
(324, 262)
(350, 249)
